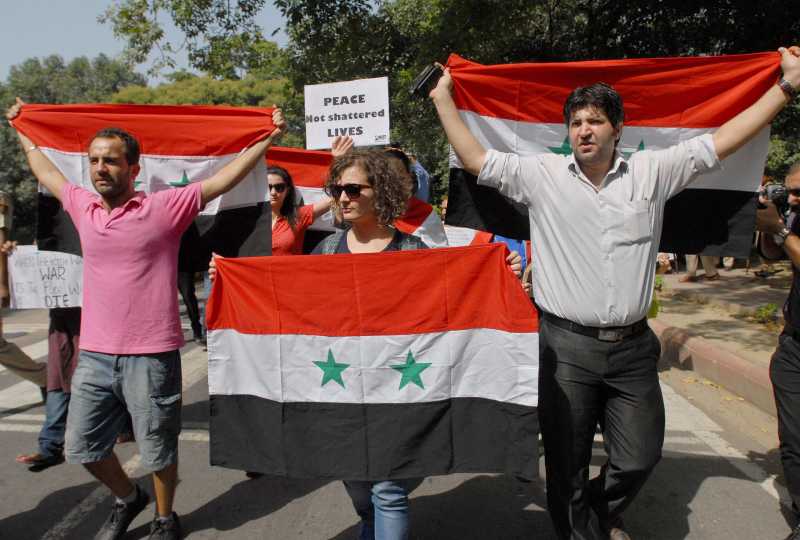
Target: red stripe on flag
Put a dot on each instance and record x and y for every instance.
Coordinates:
(416, 214)
(481, 237)
(308, 168)
(696, 92)
(397, 293)
(170, 130)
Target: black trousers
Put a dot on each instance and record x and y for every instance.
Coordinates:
(784, 372)
(186, 288)
(584, 382)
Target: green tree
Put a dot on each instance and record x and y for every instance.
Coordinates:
(188, 89)
(50, 80)
(220, 37)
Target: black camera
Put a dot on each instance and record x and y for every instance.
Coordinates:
(778, 195)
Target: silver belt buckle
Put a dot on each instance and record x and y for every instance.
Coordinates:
(610, 335)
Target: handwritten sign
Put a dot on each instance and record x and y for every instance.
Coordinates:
(44, 279)
(358, 109)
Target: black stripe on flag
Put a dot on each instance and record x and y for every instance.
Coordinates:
(238, 232)
(707, 221)
(376, 441)
(483, 208)
(54, 228)
(710, 221)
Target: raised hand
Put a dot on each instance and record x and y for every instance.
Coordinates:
(341, 145)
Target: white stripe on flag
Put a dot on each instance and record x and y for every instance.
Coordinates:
(477, 363)
(164, 172)
(740, 172)
(432, 231)
(313, 195)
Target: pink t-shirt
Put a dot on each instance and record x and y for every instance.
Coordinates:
(288, 241)
(130, 264)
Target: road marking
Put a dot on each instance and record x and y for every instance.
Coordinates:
(36, 350)
(21, 394)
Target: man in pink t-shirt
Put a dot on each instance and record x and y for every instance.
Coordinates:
(130, 328)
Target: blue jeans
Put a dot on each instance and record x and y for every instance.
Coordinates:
(51, 436)
(382, 507)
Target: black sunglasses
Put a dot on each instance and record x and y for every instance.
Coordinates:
(793, 192)
(279, 188)
(353, 190)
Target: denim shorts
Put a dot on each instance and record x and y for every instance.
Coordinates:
(105, 387)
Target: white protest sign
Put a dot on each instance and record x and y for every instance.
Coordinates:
(358, 109)
(44, 279)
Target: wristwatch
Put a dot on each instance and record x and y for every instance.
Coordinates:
(788, 89)
(780, 237)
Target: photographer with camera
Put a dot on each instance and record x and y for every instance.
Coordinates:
(780, 228)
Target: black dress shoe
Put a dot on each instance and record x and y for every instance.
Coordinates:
(121, 516)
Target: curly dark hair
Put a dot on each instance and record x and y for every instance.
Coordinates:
(288, 208)
(392, 190)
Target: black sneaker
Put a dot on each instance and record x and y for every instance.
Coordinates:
(165, 530)
(122, 515)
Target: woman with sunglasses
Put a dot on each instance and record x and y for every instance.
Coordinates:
(369, 194)
(289, 221)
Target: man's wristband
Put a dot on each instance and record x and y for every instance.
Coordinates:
(788, 89)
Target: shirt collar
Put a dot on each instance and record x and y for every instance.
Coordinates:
(136, 200)
(620, 163)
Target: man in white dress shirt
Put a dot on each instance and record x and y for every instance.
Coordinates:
(593, 282)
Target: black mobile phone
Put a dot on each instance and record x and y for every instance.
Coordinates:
(425, 81)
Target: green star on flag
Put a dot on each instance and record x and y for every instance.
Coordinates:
(638, 148)
(184, 181)
(411, 371)
(565, 149)
(331, 370)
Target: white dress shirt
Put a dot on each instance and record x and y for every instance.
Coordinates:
(594, 249)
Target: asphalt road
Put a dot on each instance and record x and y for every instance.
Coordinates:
(717, 479)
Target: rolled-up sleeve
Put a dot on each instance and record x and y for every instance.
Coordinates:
(679, 165)
(507, 173)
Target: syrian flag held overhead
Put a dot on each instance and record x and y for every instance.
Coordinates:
(519, 108)
(179, 145)
(309, 169)
(366, 379)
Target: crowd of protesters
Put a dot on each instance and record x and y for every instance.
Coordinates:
(597, 353)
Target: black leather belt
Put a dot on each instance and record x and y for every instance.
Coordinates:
(609, 333)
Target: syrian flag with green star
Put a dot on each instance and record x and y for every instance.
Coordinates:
(179, 145)
(519, 108)
(373, 366)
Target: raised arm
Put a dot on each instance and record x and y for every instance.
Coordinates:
(43, 169)
(320, 207)
(734, 133)
(471, 153)
(233, 173)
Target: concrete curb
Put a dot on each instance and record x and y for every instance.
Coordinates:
(681, 349)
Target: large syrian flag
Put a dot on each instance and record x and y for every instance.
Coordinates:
(309, 169)
(179, 145)
(519, 108)
(396, 365)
